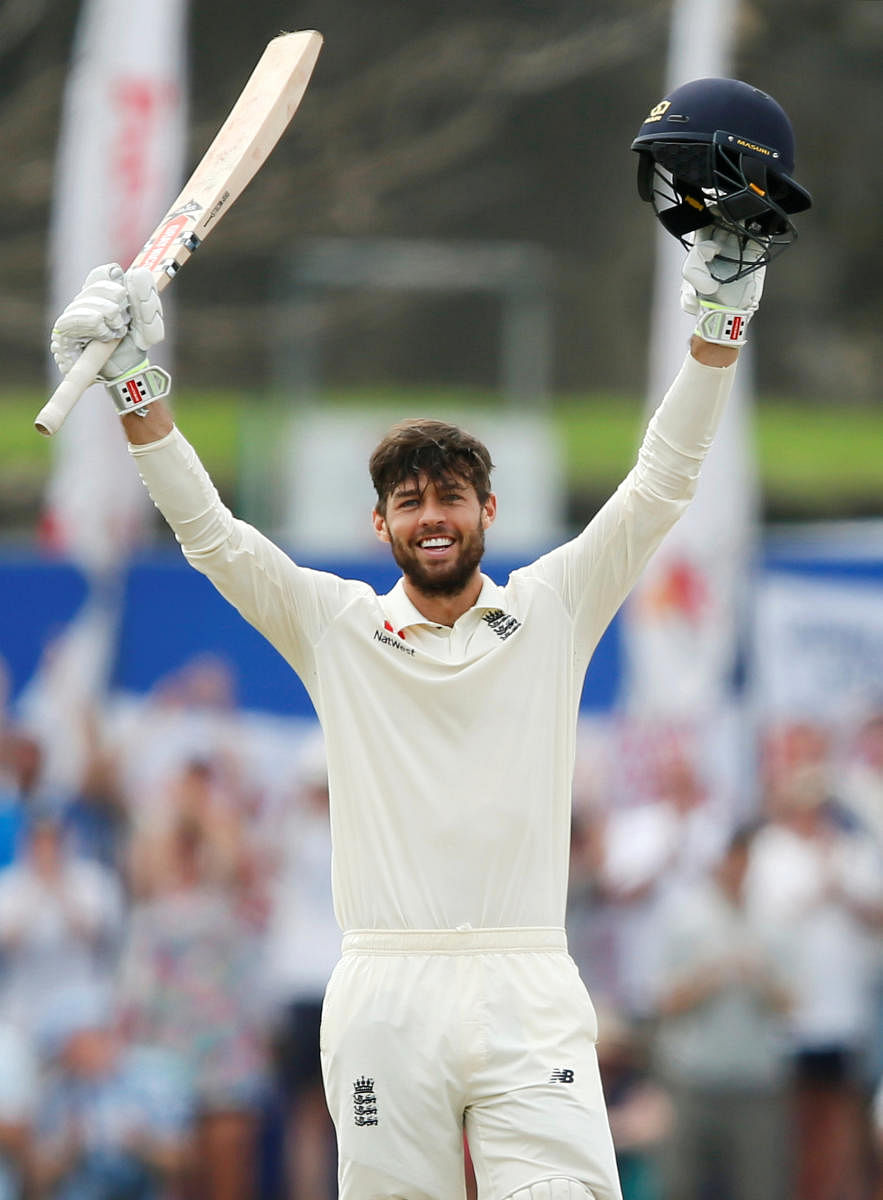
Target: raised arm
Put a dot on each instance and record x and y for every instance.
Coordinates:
(289, 604)
(595, 572)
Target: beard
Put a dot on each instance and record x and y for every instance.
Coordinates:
(442, 580)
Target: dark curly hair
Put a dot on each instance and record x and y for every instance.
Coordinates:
(435, 449)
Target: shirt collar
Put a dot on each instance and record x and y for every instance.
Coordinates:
(402, 613)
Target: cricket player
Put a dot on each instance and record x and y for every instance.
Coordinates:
(449, 709)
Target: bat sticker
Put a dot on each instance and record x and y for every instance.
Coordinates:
(166, 237)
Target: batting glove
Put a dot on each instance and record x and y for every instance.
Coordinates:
(112, 305)
(723, 306)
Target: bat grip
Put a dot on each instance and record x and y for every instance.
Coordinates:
(82, 375)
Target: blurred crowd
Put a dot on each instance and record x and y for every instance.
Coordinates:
(166, 933)
(735, 953)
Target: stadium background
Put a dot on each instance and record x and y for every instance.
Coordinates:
(504, 122)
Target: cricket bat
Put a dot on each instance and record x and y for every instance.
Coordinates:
(265, 106)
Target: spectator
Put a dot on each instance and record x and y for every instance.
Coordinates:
(191, 716)
(820, 885)
(196, 794)
(639, 1106)
(114, 1122)
(590, 917)
(61, 920)
(18, 1095)
(650, 851)
(188, 979)
(20, 766)
(302, 947)
(860, 792)
(877, 1141)
(721, 997)
(97, 818)
(860, 787)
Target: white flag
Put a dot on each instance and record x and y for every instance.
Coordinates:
(685, 622)
(120, 163)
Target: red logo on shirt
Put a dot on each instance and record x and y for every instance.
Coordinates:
(388, 637)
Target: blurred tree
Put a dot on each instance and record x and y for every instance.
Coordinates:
(501, 121)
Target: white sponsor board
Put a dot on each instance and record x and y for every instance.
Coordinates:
(818, 648)
(331, 498)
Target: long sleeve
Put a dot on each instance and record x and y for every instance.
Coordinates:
(290, 604)
(595, 571)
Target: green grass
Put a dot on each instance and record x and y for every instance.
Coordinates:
(812, 459)
(212, 420)
(599, 436)
(821, 454)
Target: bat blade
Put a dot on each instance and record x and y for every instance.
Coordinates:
(254, 125)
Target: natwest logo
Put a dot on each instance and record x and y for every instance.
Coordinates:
(390, 637)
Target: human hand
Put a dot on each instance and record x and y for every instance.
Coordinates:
(715, 290)
(116, 305)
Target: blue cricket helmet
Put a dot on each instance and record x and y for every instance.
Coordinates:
(719, 151)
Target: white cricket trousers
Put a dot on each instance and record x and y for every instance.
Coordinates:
(425, 1033)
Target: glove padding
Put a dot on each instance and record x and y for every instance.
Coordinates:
(724, 308)
(112, 304)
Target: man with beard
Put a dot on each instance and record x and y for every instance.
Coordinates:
(449, 709)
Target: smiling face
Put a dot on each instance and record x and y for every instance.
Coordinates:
(435, 528)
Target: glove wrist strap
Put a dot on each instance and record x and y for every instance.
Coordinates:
(723, 326)
(135, 391)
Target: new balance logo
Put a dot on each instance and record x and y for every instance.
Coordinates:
(561, 1075)
(502, 623)
(364, 1102)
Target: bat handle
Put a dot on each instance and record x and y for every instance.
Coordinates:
(82, 375)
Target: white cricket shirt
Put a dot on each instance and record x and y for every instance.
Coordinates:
(450, 750)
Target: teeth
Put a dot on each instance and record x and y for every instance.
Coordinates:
(432, 543)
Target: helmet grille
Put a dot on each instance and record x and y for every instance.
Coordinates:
(687, 161)
(694, 184)
(720, 151)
